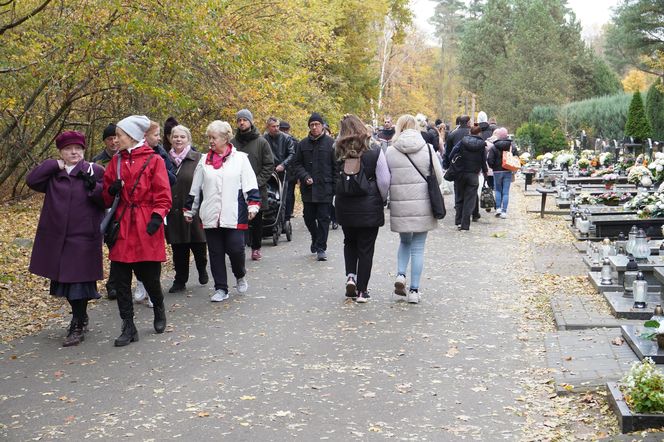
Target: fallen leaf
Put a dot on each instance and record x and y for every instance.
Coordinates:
(247, 398)
(618, 341)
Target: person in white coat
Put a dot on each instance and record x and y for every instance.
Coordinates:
(230, 200)
(410, 208)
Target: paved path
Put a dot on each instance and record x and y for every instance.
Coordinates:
(292, 359)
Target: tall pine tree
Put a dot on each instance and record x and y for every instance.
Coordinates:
(637, 125)
(655, 109)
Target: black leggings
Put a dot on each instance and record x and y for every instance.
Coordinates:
(79, 308)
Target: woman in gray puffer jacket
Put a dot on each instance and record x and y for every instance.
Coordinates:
(410, 208)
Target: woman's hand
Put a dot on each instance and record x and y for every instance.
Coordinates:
(188, 216)
(115, 188)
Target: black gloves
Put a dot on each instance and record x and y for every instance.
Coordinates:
(88, 180)
(114, 188)
(155, 222)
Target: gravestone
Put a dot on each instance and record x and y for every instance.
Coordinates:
(623, 306)
(643, 348)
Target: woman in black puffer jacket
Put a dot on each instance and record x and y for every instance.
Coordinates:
(502, 178)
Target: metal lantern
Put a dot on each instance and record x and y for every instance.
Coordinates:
(640, 291)
(629, 277)
(606, 272)
(621, 242)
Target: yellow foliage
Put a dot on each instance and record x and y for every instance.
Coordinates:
(636, 80)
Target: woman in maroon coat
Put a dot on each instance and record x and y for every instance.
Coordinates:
(140, 247)
(68, 243)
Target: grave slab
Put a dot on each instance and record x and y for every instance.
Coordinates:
(647, 267)
(592, 266)
(577, 313)
(586, 359)
(623, 307)
(581, 246)
(643, 348)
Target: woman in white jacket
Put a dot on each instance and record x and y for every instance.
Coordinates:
(230, 200)
(410, 208)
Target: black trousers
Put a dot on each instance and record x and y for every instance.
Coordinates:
(317, 220)
(290, 199)
(79, 309)
(256, 231)
(148, 272)
(222, 242)
(465, 198)
(489, 181)
(181, 259)
(359, 245)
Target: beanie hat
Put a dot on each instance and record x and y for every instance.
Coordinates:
(108, 132)
(315, 117)
(284, 125)
(68, 138)
(438, 122)
(481, 117)
(244, 113)
(135, 126)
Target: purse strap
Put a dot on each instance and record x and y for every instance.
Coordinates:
(131, 192)
(430, 164)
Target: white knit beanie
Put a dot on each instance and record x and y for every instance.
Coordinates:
(135, 126)
(481, 117)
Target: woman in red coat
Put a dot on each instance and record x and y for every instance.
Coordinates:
(145, 199)
(68, 243)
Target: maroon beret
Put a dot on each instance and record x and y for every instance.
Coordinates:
(70, 137)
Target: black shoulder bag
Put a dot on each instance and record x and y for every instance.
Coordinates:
(435, 196)
(112, 228)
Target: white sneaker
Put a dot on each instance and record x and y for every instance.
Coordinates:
(242, 285)
(139, 293)
(503, 215)
(498, 212)
(149, 302)
(400, 285)
(219, 295)
(413, 297)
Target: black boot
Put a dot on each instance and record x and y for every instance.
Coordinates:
(112, 294)
(75, 335)
(129, 333)
(159, 317)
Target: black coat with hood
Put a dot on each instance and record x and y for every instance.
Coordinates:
(473, 154)
(453, 138)
(486, 130)
(495, 157)
(315, 158)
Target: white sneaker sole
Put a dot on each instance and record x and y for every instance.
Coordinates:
(219, 298)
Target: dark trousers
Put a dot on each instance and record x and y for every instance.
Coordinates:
(148, 272)
(333, 214)
(290, 199)
(256, 231)
(181, 260)
(317, 220)
(465, 198)
(222, 242)
(79, 309)
(489, 181)
(359, 245)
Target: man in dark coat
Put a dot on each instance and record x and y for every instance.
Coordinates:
(283, 151)
(284, 128)
(110, 146)
(315, 166)
(473, 159)
(249, 141)
(456, 135)
(387, 132)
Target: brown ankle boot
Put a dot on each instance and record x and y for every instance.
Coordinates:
(75, 335)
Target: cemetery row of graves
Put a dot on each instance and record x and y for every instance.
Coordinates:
(613, 205)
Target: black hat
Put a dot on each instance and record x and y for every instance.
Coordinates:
(315, 117)
(108, 132)
(438, 121)
(284, 125)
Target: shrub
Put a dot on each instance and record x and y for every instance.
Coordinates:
(643, 387)
(655, 109)
(637, 125)
(540, 137)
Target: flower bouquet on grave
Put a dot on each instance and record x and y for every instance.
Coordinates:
(606, 159)
(609, 199)
(524, 157)
(609, 180)
(625, 197)
(657, 167)
(585, 198)
(564, 159)
(647, 205)
(643, 387)
(637, 174)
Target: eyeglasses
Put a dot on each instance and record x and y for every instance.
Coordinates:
(314, 123)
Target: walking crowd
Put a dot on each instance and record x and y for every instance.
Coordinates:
(140, 193)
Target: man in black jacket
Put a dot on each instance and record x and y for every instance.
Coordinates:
(456, 135)
(283, 151)
(284, 128)
(315, 166)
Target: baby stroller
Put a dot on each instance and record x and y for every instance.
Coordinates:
(274, 215)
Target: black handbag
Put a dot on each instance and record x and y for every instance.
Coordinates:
(435, 196)
(111, 226)
(454, 171)
(487, 200)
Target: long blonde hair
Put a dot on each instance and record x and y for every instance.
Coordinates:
(405, 122)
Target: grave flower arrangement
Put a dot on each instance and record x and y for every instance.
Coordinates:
(585, 198)
(564, 159)
(657, 167)
(604, 171)
(610, 179)
(643, 387)
(647, 205)
(637, 174)
(609, 199)
(524, 157)
(583, 163)
(624, 162)
(606, 159)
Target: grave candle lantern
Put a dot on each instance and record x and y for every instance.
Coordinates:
(631, 239)
(606, 272)
(640, 291)
(641, 248)
(621, 242)
(606, 248)
(631, 270)
(584, 225)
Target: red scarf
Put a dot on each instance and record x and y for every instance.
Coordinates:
(217, 160)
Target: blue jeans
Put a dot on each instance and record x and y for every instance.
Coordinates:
(411, 248)
(501, 182)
